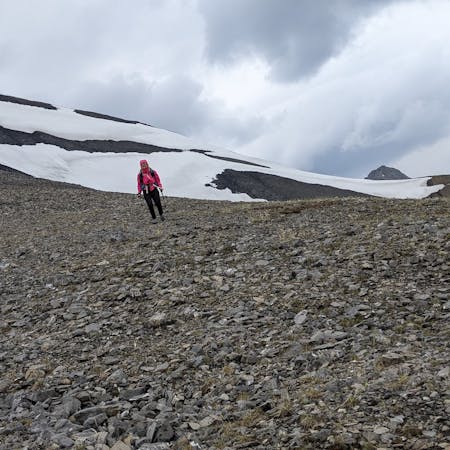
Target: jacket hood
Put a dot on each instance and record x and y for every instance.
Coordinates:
(144, 165)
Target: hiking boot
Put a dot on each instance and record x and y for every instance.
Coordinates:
(162, 218)
(154, 220)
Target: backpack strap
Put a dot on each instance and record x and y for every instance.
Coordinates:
(141, 176)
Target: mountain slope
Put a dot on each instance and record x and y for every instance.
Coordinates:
(386, 173)
(319, 324)
(102, 152)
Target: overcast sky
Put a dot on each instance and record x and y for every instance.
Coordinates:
(331, 86)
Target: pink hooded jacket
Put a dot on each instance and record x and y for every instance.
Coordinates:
(149, 177)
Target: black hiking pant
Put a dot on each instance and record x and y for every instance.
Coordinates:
(153, 195)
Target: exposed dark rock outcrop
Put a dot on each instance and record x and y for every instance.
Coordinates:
(386, 173)
(225, 158)
(14, 137)
(440, 179)
(107, 117)
(272, 187)
(23, 101)
(10, 169)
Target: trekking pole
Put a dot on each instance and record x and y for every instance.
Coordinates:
(162, 197)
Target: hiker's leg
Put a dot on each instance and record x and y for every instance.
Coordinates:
(148, 199)
(157, 200)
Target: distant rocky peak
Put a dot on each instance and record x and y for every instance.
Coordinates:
(386, 173)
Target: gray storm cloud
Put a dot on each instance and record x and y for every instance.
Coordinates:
(174, 104)
(383, 98)
(347, 84)
(295, 36)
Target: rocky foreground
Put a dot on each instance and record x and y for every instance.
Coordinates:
(299, 325)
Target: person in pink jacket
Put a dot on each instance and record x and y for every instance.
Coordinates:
(149, 184)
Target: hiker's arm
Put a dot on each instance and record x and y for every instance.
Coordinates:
(158, 181)
(139, 186)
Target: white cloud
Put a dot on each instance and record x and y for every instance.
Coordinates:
(54, 46)
(294, 36)
(427, 160)
(381, 98)
(377, 87)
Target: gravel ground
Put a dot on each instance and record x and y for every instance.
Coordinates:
(314, 324)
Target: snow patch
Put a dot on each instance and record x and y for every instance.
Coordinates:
(184, 174)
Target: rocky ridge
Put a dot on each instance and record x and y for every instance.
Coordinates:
(443, 180)
(271, 187)
(303, 324)
(386, 173)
